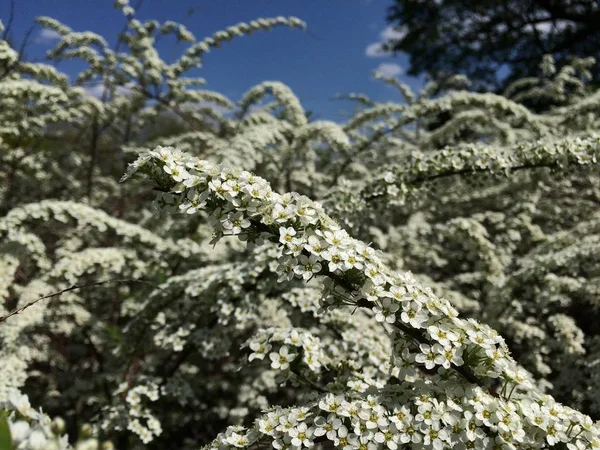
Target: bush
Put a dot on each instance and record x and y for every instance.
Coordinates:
(139, 327)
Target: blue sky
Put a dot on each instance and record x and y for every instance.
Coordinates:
(338, 54)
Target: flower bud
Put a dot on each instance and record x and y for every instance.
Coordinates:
(58, 426)
(85, 431)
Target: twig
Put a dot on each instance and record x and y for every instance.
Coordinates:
(11, 18)
(71, 288)
(310, 383)
(98, 127)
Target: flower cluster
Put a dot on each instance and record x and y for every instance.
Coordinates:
(479, 158)
(29, 429)
(151, 330)
(428, 333)
(461, 420)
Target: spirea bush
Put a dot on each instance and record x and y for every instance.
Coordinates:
(423, 275)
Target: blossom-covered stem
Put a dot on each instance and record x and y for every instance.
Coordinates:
(310, 243)
(411, 332)
(414, 334)
(478, 158)
(264, 227)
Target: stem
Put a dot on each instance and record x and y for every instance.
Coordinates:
(71, 288)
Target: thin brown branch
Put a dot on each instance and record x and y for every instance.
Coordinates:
(71, 288)
(317, 387)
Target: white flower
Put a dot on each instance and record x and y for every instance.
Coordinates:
(267, 426)
(451, 356)
(232, 187)
(21, 403)
(235, 222)
(327, 426)
(331, 402)
(533, 412)
(410, 435)
(485, 412)
(286, 267)
(428, 355)
(177, 172)
(315, 245)
(375, 274)
(164, 154)
(195, 202)
(435, 436)
(372, 291)
(398, 293)
(259, 350)
(335, 258)
(307, 266)
(389, 438)
(256, 190)
(19, 430)
(238, 440)
(282, 213)
(301, 435)
(286, 235)
(342, 438)
(443, 335)
(282, 359)
(337, 238)
(387, 312)
(373, 419)
(401, 416)
(37, 440)
(427, 414)
(287, 422)
(216, 186)
(306, 211)
(413, 314)
(392, 190)
(352, 260)
(364, 441)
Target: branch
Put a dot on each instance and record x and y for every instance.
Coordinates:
(71, 288)
(555, 155)
(312, 384)
(11, 18)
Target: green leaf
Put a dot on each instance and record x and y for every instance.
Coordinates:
(5, 439)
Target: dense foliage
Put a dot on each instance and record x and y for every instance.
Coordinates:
(480, 38)
(424, 275)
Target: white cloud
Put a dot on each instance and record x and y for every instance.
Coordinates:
(389, 33)
(47, 36)
(374, 50)
(389, 70)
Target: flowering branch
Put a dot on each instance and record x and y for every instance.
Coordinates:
(311, 243)
(479, 158)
